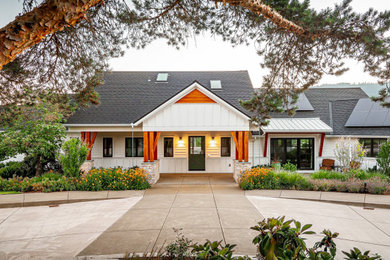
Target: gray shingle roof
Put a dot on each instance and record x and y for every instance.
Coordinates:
(343, 102)
(125, 97)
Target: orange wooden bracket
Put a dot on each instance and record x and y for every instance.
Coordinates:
(235, 139)
(246, 145)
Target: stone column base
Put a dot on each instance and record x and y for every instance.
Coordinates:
(153, 169)
(240, 167)
(86, 167)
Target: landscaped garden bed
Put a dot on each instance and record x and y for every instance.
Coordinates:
(356, 181)
(95, 180)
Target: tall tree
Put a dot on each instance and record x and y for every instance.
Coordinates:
(299, 44)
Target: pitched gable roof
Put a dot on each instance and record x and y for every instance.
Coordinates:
(125, 97)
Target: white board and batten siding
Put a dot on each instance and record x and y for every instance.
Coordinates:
(196, 117)
(179, 162)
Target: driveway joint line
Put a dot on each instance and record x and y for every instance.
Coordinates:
(12, 213)
(372, 223)
(219, 216)
(166, 217)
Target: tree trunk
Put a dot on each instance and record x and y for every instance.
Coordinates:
(32, 27)
(39, 167)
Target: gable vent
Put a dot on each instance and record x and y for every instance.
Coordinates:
(215, 84)
(162, 77)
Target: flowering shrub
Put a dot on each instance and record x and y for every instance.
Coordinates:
(258, 178)
(354, 181)
(114, 179)
(97, 179)
(48, 182)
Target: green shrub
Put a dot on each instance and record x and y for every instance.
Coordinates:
(294, 181)
(289, 167)
(330, 175)
(75, 154)
(13, 168)
(384, 157)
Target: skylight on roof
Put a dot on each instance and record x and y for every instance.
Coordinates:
(215, 84)
(161, 77)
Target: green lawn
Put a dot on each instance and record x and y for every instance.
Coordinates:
(9, 192)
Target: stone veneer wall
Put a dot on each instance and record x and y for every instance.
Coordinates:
(240, 167)
(153, 168)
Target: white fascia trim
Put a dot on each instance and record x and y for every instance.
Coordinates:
(186, 91)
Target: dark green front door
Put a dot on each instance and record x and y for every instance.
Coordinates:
(196, 153)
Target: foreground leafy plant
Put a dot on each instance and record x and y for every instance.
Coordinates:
(356, 254)
(279, 240)
(214, 250)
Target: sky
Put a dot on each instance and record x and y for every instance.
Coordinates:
(211, 53)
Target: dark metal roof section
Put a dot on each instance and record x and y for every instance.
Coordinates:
(368, 113)
(336, 114)
(125, 97)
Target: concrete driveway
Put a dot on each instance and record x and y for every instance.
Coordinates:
(367, 229)
(56, 232)
(205, 207)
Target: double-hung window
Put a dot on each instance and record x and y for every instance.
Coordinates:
(107, 147)
(225, 146)
(371, 145)
(134, 147)
(168, 147)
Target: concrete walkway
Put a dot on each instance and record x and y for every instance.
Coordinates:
(211, 208)
(53, 198)
(356, 199)
(57, 232)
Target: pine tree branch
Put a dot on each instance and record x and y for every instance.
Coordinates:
(32, 27)
(259, 8)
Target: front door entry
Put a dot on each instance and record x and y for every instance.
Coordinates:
(196, 153)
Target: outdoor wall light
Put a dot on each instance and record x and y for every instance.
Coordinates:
(180, 143)
(213, 143)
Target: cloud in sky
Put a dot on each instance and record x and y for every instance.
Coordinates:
(211, 53)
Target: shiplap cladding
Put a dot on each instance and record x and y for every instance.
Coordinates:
(196, 117)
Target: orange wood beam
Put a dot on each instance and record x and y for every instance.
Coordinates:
(240, 146)
(246, 145)
(151, 146)
(82, 137)
(146, 145)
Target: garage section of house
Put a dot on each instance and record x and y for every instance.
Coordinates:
(192, 122)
